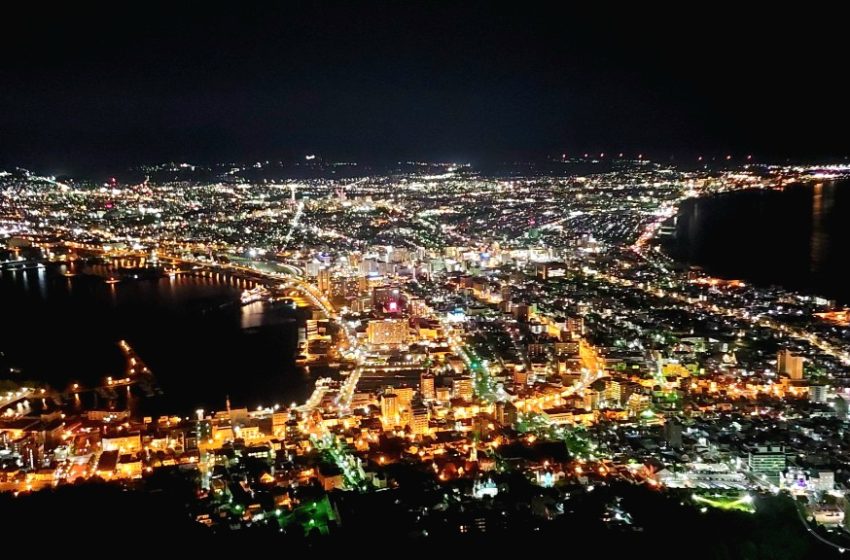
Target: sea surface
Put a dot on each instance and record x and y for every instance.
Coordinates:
(798, 238)
(200, 343)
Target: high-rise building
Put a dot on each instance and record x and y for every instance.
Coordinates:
(841, 407)
(419, 418)
(387, 299)
(505, 293)
(404, 395)
(462, 388)
(427, 386)
(291, 431)
(789, 364)
(324, 280)
(613, 392)
(818, 393)
(767, 461)
(575, 326)
(505, 413)
(279, 420)
(637, 403)
(520, 312)
(389, 410)
(387, 331)
(368, 265)
(416, 307)
(673, 433)
(312, 329)
(593, 395)
(443, 394)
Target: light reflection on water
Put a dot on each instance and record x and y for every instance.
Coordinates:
(793, 237)
(191, 331)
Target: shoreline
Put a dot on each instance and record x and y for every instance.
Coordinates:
(669, 244)
(55, 376)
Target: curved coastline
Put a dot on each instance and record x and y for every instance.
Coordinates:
(783, 239)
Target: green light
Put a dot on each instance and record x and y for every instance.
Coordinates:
(741, 503)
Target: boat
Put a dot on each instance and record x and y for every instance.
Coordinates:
(255, 294)
(290, 303)
(112, 280)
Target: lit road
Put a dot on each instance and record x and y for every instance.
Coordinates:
(315, 399)
(814, 533)
(12, 397)
(346, 392)
(337, 451)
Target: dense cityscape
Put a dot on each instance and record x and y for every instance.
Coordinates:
(467, 279)
(490, 351)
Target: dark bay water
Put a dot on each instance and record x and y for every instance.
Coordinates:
(195, 337)
(797, 238)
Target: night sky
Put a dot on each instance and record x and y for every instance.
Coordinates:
(94, 88)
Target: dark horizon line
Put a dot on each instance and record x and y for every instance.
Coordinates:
(86, 166)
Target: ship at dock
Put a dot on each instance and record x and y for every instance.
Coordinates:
(260, 293)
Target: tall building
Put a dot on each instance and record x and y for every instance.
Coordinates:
(636, 404)
(767, 461)
(818, 393)
(404, 395)
(389, 410)
(841, 407)
(593, 395)
(312, 329)
(673, 433)
(387, 299)
(419, 418)
(613, 392)
(575, 326)
(505, 293)
(505, 413)
(279, 420)
(416, 307)
(387, 331)
(324, 281)
(427, 386)
(789, 364)
(520, 312)
(368, 265)
(462, 388)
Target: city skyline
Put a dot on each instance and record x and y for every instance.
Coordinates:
(501, 353)
(458, 278)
